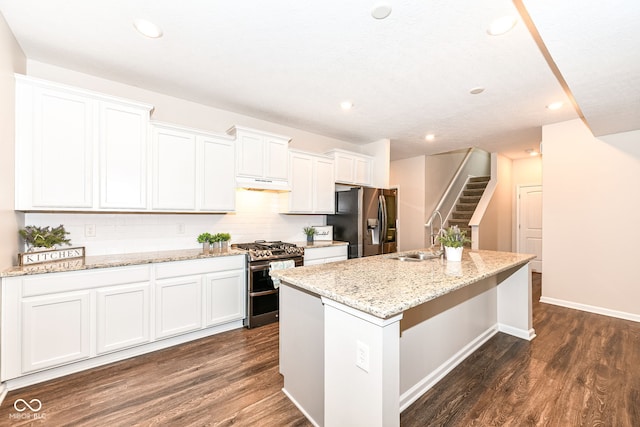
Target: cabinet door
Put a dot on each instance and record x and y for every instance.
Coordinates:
(218, 181)
(123, 156)
(362, 174)
(178, 305)
(174, 170)
(224, 297)
(301, 195)
(122, 317)
(250, 156)
(324, 187)
(344, 168)
(62, 143)
(55, 330)
(276, 159)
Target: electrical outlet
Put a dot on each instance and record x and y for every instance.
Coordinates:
(89, 230)
(181, 228)
(362, 356)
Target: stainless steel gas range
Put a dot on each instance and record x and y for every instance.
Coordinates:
(262, 296)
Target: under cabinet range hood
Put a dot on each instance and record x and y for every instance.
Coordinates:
(260, 184)
(262, 159)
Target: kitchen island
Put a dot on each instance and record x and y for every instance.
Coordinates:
(360, 340)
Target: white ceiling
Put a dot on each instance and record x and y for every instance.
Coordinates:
(293, 62)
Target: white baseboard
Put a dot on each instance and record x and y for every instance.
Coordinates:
(311, 420)
(3, 392)
(52, 373)
(516, 332)
(421, 387)
(591, 309)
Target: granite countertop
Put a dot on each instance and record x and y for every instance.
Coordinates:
(117, 260)
(320, 244)
(383, 286)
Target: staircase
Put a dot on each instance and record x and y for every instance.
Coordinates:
(467, 203)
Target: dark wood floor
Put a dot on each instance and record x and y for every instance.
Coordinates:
(581, 370)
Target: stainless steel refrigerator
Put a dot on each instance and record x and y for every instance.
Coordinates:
(367, 219)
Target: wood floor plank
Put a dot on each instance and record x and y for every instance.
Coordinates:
(582, 369)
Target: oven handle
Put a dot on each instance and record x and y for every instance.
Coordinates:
(264, 265)
(259, 294)
(257, 267)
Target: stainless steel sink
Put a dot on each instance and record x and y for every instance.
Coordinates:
(420, 256)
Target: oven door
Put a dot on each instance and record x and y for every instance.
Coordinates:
(263, 299)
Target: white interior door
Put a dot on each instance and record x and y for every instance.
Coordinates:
(530, 223)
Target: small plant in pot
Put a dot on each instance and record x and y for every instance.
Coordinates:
(310, 232)
(453, 239)
(44, 237)
(224, 240)
(205, 239)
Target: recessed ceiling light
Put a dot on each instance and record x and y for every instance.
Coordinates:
(502, 25)
(476, 90)
(555, 105)
(531, 152)
(381, 10)
(147, 28)
(430, 137)
(346, 105)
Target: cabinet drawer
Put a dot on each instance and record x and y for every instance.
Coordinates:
(46, 284)
(326, 252)
(200, 266)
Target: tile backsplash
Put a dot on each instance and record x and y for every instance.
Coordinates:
(257, 217)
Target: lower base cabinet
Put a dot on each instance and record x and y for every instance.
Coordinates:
(325, 254)
(224, 295)
(178, 305)
(122, 317)
(55, 330)
(55, 320)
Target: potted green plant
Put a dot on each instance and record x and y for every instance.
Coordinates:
(44, 237)
(310, 231)
(453, 239)
(224, 240)
(205, 239)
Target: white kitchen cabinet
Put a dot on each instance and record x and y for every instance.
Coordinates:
(174, 169)
(55, 330)
(217, 184)
(55, 143)
(178, 305)
(324, 186)
(122, 317)
(192, 171)
(312, 184)
(325, 254)
(56, 323)
(262, 159)
(123, 156)
(224, 297)
(351, 168)
(78, 150)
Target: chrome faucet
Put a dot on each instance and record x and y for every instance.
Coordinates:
(433, 236)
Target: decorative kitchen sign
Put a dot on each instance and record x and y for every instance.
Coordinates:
(52, 256)
(324, 232)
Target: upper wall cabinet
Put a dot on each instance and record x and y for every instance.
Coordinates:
(312, 184)
(351, 168)
(262, 159)
(192, 171)
(78, 150)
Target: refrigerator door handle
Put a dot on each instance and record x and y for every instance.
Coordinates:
(384, 230)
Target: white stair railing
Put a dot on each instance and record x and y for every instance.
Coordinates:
(483, 204)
